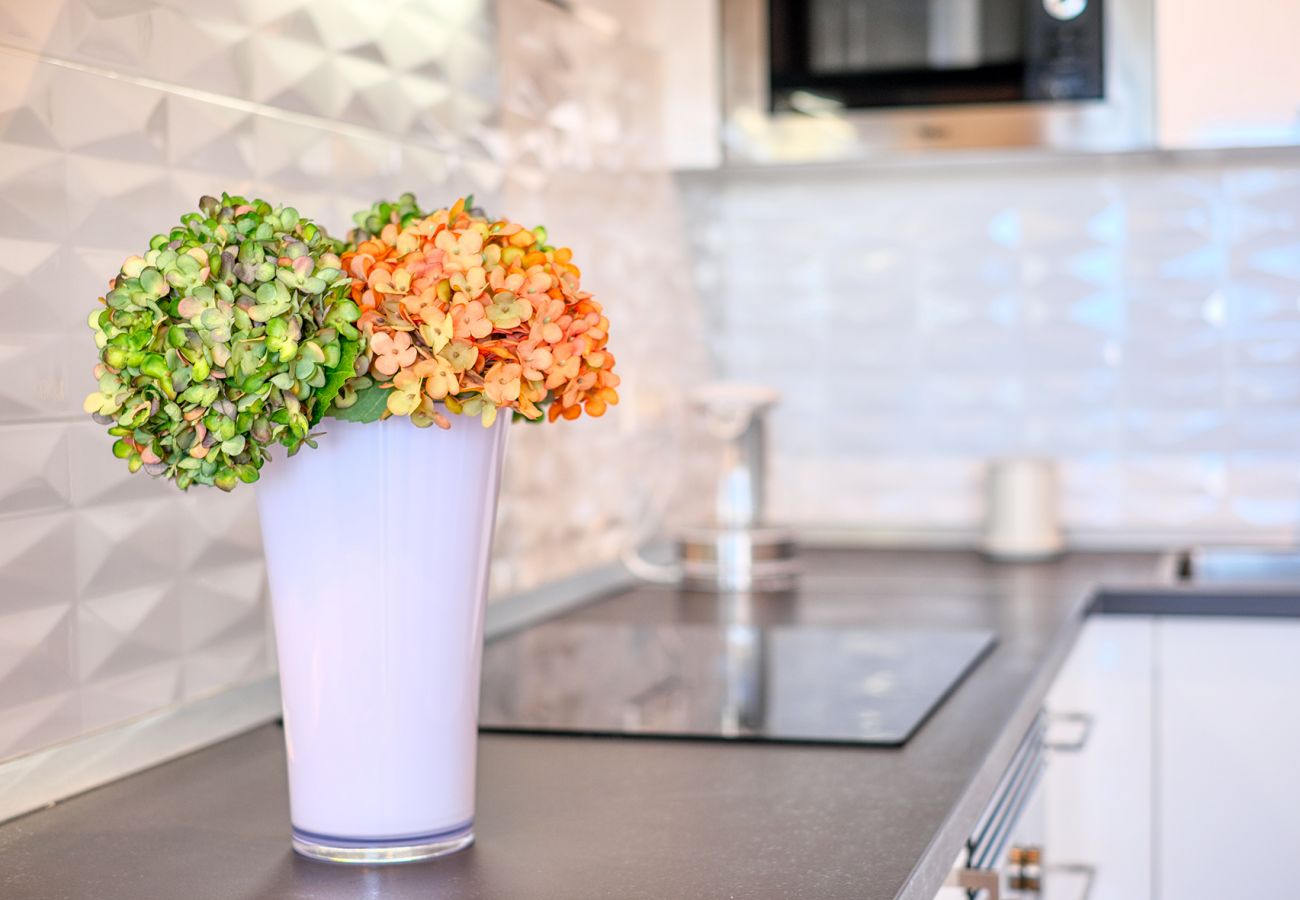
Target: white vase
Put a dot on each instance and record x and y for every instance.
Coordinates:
(377, 546)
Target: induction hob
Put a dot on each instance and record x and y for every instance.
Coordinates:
(727, 682)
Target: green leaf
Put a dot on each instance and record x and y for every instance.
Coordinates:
(338, 376)
(372, 403)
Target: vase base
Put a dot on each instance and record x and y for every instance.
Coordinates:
(366, 852)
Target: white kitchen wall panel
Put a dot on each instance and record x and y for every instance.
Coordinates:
(1136, 317)
(1248, 96)
(120, 597)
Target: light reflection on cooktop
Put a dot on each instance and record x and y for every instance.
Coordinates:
(739, 682)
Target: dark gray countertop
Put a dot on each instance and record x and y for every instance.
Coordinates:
(569, 818)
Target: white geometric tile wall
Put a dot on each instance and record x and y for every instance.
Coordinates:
(585, 163)
(119, 596)
(1138, 318)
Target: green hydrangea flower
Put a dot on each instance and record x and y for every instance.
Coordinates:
(400, 212)
(232, 333)
(370, 222)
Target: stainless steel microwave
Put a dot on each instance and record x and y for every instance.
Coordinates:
(806, 80)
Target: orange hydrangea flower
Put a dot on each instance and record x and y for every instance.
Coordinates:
(479, 315)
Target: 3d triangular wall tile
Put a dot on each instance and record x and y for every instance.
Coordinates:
(38, 376)
(36, 635)
(99, 479)
(33, 204)
(223, 604)
(36, 652)
(299, 25)
(111, 120)
(129, 545)
(231, 662)
(118, 35)
(35, 476)
(217, 141)
(26, 128)
(35, 26)
(31, 271)
(126, 631)
(110, 199)
(223, 533)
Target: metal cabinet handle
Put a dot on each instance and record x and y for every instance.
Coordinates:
(1083, 720)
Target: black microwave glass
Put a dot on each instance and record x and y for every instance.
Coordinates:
(863, 54)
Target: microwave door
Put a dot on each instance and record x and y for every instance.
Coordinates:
(866, 35)
(953, 34)
(883, 35)
(864, 54)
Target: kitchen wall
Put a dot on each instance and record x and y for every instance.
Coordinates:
(1137, 317)
(119, 596)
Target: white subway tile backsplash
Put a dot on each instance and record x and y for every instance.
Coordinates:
(1133, 317)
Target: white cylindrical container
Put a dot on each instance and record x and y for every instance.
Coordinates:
(377, 546)
(1021, 517)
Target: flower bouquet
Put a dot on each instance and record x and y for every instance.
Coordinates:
(247, 332)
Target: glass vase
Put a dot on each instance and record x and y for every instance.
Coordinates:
(377, 546)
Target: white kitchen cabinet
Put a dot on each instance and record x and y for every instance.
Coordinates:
(1227, 75)
(1097, 800)
(1188, 787)
(1093, 810)
(1228, 783)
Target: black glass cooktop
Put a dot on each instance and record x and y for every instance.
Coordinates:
(737, 682)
